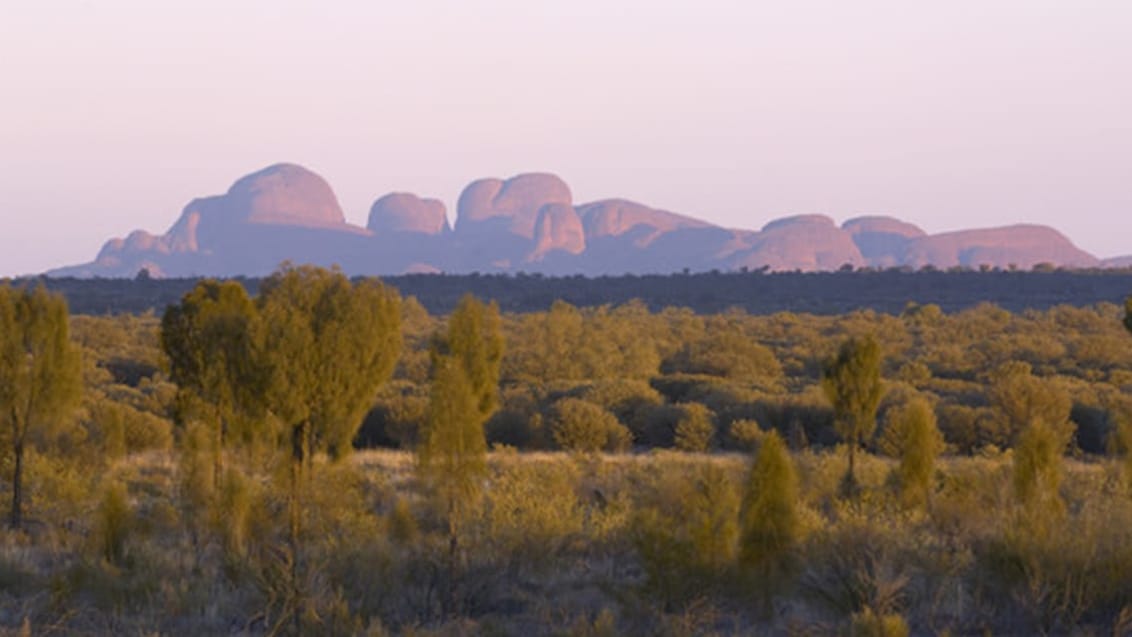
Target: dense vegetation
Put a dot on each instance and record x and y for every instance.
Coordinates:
(579, 471)
(756, 292)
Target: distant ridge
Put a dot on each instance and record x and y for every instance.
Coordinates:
(530, 223)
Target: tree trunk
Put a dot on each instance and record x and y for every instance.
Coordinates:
(298, 455)
(18, 486)
(453, 556)
(218, 453)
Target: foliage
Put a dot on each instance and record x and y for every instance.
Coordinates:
(852, 383)
(695, 430)
(1038, 466)
(329, 345)
(769, 520)
(920, 445)
(40, 382)
(687, 533)
(578, 425)
(1020, 398)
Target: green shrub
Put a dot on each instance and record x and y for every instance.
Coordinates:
(770, 524)
(582, 426)
(695, 430)
(114, 521)
(746, 434)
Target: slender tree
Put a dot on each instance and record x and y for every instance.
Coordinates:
(921, 444)
(852, 383)
(769, 521)
(328, 345)
(210, 341)
(1038, 460)
(40, 374)
(465, 380)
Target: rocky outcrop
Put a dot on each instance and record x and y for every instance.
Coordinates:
(804, 242)
(1021, 246)
(512, 205)
(530, 223)
(882, 241)
(400, 212)
(618, 217)
(558, 228)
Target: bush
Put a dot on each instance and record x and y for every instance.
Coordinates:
(746, 434)
(770, 525)
(114, 520)
(582, 426)
(695, 430)
(686, 533)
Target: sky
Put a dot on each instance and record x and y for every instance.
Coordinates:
(114, 114)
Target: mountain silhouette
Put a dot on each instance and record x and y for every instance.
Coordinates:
(530, 223)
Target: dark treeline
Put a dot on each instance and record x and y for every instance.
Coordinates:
(758, 293)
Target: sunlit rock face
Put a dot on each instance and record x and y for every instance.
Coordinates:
(803, 242)
(401, 212)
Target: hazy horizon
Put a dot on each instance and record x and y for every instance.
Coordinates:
(949, 117)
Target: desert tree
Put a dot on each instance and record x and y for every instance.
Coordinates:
(852, 383)
(465, 392)
(920, 446)
(1038, 460)
(40, 374)
(210, 342)
(769, 519)
(452, 452)
(328, 345)
(1019, 398)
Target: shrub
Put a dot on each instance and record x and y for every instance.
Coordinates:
(114, 520)
(746, 434)
(920, 444)
(695, 430)
(686, 533)
(770, 525)
(582, 426)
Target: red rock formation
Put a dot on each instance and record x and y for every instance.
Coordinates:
(404, 212)
(616, 217)
(1019, 245)
(516, 201)
(558, 228)
(804, 242)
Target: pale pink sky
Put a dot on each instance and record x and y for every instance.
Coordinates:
(114, 114)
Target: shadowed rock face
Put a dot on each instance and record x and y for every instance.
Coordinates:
(558, 228)
(883, 241)
(530, 223)
(404, 212)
